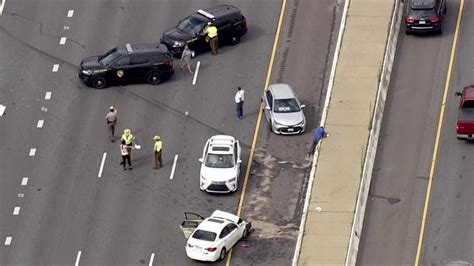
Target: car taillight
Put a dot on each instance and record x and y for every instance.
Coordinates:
(211, 249)
(410, 19)
(169, 63)
(435, 19)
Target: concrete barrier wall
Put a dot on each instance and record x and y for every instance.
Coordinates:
(377, 114)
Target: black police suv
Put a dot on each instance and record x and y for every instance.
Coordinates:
(152, 63)
(424, 16)
(230, 23)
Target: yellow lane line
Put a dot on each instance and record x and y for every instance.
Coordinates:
(259, 119)
(438, 134)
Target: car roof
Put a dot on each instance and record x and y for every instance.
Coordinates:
(422, 4)
(222, 10)
(469, 92)
(213, 224)
(221, 141)
(282, 91)
(142, 48)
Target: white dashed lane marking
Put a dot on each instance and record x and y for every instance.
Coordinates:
(21, 195)
(196, 72)
(151, 259)
(32, 152)
(102, 165)
(48, 94)
(62, 41)
(174, 166)
(2, 5)
(16, 210)
(2, 109)
(55, 67)
(40, 124)
(24, 181)
(8, 240)
(70, 13)
(78, 258)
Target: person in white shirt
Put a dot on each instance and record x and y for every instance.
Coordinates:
(239, 101)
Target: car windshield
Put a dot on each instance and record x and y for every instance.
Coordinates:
(192, 25)
(109, 57)
(204, 235)
(286, 106)
(219, 160)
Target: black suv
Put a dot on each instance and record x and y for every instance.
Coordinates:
(424, 16)
(130, 63)
(231, 26)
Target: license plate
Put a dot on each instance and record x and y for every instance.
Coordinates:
(422, 22)
(291, 130)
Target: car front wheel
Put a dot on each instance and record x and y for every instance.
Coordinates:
(99, 82)
(154, 78)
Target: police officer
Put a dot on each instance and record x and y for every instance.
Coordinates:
(128, 137)
(111, 119)
(211, 37)
(158, 149)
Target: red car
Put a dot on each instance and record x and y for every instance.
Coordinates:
(465, 120)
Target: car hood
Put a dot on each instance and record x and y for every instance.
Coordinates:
(218, 174)
(91, 63)
(288, 119)
(174, 34)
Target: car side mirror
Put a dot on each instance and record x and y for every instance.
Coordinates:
(458, 93)
(303, 106)
(239, 161)
(267, 107)
(201, 160)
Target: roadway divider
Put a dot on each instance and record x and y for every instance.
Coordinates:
(377, 116)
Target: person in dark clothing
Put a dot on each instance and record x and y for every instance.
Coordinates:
(316, 136)
(124, 149)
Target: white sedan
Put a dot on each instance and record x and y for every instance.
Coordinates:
(216, 235)
(220, 164)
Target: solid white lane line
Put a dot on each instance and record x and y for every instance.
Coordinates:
(2, 5)
(40, 123)
(102, 165)
(16, 210)
(151, 259)
(196, 72)
(24, 181)
(78, 258)
(174, 166)
(70, 13)
(32, 152)
(62, 41)
(55, 67)
(48, 94)
(8, 240)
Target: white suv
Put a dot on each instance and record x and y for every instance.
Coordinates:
(220, 164)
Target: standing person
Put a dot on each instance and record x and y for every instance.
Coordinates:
(186, 58)
(111, 119)
(239, 101)
(316, 136)
(128, 138)
(124, 150)
(158, 149)
(211, 37)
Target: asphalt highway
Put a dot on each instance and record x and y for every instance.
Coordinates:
(54, 209)
(401, 172)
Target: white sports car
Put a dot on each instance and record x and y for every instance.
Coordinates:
(220, 164)
(216, 235)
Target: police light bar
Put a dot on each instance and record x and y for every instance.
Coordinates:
(206, 14)
(129, 48)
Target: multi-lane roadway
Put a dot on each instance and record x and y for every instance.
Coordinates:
(426, 68)
(54, 209)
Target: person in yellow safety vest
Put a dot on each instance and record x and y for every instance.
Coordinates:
(158, 149)
(128, 137)
(211, 37)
